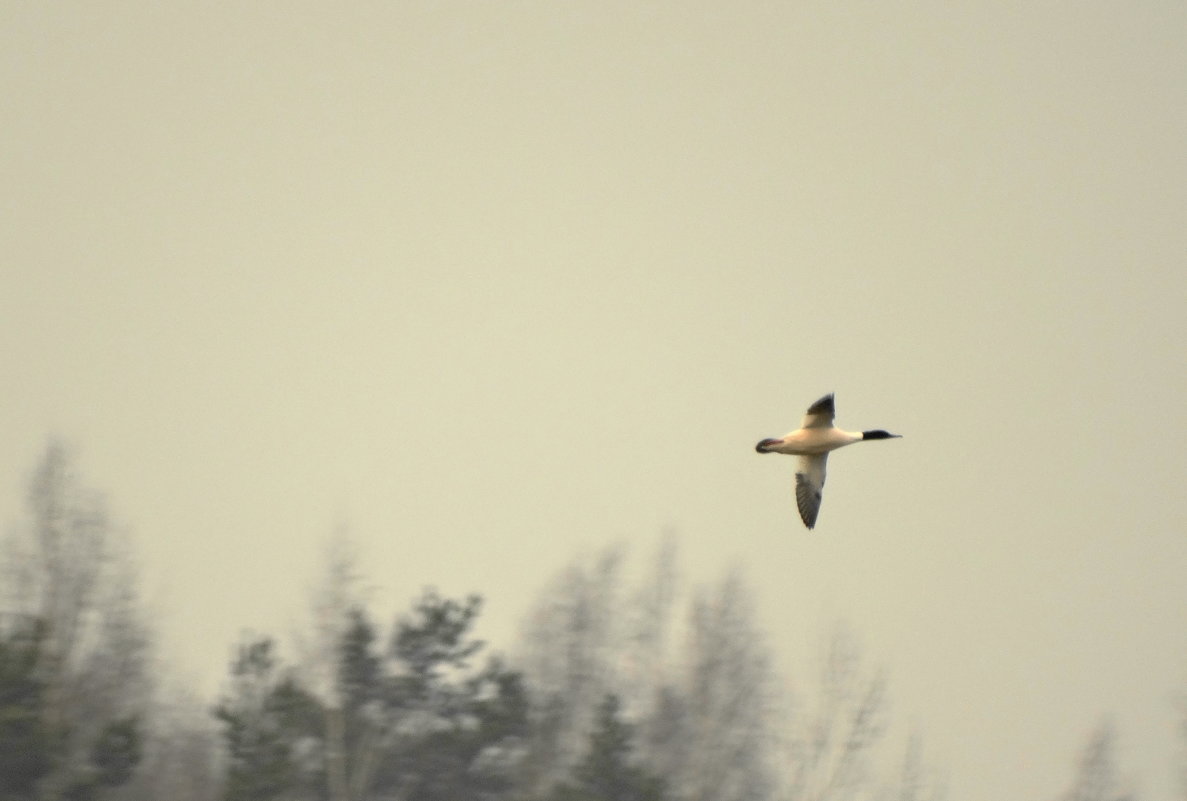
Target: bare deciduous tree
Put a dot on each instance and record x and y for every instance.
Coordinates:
(69, 567)
(647, 665)
(332, 603)
(1096, 775)
(834, 738)
(723, 739)
(699, 701)
(181, 760)
(917, 781)
(569, 656)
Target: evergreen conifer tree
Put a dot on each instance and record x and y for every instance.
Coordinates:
(25, 743)
(608, 772)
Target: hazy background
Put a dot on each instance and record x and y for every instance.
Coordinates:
(486, 284)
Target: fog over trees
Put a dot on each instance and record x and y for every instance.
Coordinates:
(628, 682)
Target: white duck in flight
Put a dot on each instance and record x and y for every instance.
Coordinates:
(812, 441)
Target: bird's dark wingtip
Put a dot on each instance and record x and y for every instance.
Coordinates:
(827, 404)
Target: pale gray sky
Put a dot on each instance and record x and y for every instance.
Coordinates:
(492, 282)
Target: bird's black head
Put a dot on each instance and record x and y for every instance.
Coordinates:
(879, 434)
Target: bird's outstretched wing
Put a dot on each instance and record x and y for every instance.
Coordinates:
(809, 485)
(820, 414)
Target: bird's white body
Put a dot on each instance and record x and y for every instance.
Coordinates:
(812, 442)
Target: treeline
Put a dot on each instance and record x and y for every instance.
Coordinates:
(640, 689)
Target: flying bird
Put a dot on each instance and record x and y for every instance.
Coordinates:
(812, 441)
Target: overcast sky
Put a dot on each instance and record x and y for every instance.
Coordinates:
(488, 283)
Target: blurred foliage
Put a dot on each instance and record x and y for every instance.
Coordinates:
(610, 769)
(411, 720)
(74, 648)
(624, 687)
(26, 745)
